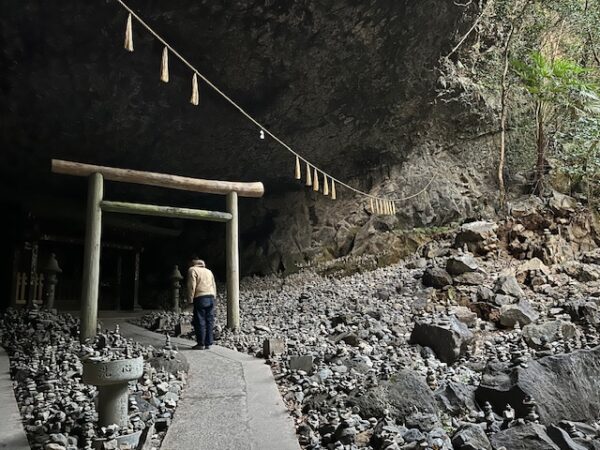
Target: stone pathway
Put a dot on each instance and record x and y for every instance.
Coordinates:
(12, 434)
(231, 400)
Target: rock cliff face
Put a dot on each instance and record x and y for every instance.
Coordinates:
(354, 86)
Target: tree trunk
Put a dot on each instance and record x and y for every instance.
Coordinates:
(541, 148)
(503, 114)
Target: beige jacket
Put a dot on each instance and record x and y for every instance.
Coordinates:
(200, 281)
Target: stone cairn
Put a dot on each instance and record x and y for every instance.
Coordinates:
(332, 342)
(59, 384)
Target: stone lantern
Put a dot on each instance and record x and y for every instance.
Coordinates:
(50, 271)
(176, 285)
(112, 379)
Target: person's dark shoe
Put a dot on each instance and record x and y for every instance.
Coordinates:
(198, 347)
(207, 347)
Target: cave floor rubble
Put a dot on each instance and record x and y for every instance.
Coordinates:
(231, 400)
(12, 434)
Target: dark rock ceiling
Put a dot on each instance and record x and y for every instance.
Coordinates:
(344, 82)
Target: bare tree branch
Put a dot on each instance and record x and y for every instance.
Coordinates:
(594, 52)
(464, 38)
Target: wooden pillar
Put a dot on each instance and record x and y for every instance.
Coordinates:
(233, 264)
(91, 258)
(33, 275)
(136, 282)
(15, 272)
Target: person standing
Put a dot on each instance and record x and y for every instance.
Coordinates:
(202, 290)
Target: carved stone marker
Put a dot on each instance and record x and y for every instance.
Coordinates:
(112, 378)
(176, 278)
(273, 346)
(51, 271)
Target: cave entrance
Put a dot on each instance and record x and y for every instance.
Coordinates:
(93, 229)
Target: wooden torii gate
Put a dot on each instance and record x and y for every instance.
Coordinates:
(93, 231)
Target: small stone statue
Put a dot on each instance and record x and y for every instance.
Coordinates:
(491, 420)
(508, 414)
(168, 345)
(573, 431)
(431, 379)
(531, 406)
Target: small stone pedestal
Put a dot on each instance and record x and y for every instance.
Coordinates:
(112, 378)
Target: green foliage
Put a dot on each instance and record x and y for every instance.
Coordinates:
(579, 155)
(566, 106)
(553, 80)
(552, 93)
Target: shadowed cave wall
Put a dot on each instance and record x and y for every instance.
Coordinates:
(351, 85)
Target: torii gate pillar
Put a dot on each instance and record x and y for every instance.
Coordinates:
(233, 264)
(91, 258)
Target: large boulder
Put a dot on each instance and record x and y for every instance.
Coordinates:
(470, 278)
(457, 265)
(584, 310)
(455, 398)
(522, 312)
(464, 315)
(563, 440)
(479, 237)
(470, 437)
(562, 205)
(405, 395)
(448, 338)
(565, 386)
(536, 335)
(507, 284)
(436, 277)
(502, 299)
(529, 436)
(584, 273)
(533, 266)
(485, 311)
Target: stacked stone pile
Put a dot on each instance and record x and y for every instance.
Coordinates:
(469, 345)
(58, 409)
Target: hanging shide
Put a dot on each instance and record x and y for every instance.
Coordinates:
(164, 66)
(128, 44)
(195, 98)
(377, 205)
(308, 176)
